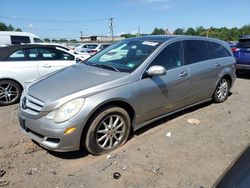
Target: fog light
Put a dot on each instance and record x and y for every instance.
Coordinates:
(69, 130)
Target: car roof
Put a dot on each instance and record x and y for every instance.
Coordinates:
(244, 37)
(17, 33)
(7, 50)
(164, 38)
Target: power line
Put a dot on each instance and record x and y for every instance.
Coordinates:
(52, 21)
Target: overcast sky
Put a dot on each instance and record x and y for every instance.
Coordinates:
(65, 18)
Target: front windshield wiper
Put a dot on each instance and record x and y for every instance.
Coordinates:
(103, 66)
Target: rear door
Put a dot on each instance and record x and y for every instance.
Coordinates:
(163, 94)
(52, 59)
(204, 70)
(22, 66)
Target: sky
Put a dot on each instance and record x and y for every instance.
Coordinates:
(67, 18)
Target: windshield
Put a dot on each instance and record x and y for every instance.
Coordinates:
(123, 56)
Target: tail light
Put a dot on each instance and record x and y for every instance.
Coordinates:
(234, 49)
(92, 51)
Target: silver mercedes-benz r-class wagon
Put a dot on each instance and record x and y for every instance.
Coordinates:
(133, 82)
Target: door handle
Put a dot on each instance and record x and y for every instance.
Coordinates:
(183, 74)
(46, 66)
(217, 64)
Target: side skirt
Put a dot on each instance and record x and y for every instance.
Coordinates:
(136, 127)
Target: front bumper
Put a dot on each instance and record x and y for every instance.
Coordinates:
(51, 135)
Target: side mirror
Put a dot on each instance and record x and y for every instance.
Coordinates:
(156, 70)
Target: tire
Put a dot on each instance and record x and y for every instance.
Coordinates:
(221, 91)
(108, 130)
(10, 92)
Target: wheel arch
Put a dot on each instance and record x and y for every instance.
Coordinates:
(115, 102)
(229, 78)
(11, 79)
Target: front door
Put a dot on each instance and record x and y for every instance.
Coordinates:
(163, 94)
(52, 59)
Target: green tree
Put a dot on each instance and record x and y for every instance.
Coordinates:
(18, 29)
(3, 27)
(73, 41)
(128, 35)
(47, 40)
(158, 31)
(245, 30)
(10, 28)
(200, 31)
(190, 31)
(179, 31)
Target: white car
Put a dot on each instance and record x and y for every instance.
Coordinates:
(11, 37)
(23, 64)
(91, 48)
(79, 55)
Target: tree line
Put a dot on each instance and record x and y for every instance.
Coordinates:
(222, 33)
(4, 27)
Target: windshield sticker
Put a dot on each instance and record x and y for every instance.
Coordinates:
(150, 43)
(131, 65)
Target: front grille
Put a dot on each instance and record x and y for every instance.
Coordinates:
(31, 105)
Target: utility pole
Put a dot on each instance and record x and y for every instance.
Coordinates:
(81, 36)
(139, 31)
(111, 29)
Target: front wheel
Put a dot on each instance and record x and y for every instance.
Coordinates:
(222, 91)
(10, 92)
(108, 130)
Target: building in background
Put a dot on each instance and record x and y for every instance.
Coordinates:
(100, 38)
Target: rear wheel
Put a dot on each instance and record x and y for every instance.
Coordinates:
(108, 130)
(10, 92)
(222, 91)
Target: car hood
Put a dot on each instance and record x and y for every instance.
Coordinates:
(76, 81)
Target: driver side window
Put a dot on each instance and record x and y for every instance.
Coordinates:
(171, 56)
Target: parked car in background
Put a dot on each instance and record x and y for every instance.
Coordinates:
(23, 64)
(73, 46)
(81, 56)
(242, 53)
(91, 48)
(232, 45)
(11, 37)
(106, 98)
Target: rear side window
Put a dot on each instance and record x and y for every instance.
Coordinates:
(171, 56)
(17, 56)
(24, 55)
(19, 39)
(90, 46)
(54, 54)
(243, 43)
(195, 51)
(217, 50)
(39, 54)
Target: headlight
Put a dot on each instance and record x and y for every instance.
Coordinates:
(66, 111)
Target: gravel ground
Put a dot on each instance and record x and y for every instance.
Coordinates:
(167, 153)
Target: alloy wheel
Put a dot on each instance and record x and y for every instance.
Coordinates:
(110, 131)
(222, 90)
(8, 92)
